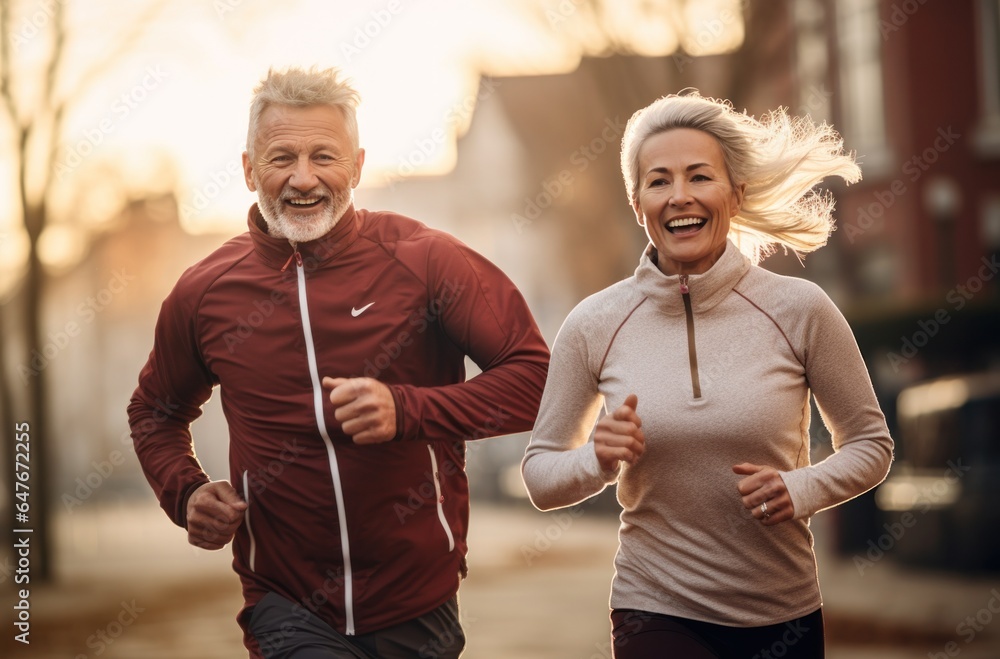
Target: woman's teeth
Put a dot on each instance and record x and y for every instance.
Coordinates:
(685, 224)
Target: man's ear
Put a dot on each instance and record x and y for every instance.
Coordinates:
(248, 172)
(359, 162)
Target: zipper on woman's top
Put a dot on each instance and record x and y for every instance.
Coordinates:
(692, 350)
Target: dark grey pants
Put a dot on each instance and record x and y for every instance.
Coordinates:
(285, 630)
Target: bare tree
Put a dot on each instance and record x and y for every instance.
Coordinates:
(36, 120)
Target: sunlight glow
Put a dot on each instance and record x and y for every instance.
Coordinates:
(932, 397)
(61, 246)
(926, 492)
(712, 27)
(182, 90)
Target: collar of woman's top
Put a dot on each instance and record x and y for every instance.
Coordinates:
(706, 290)
(278, 252)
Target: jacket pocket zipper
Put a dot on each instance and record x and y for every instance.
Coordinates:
(439, 499)
(252, 560)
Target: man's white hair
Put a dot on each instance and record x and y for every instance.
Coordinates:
(779, 158)
(302, 88)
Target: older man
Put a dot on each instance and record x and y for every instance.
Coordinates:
(337, 337)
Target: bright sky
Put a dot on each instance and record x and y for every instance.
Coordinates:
(177, 102)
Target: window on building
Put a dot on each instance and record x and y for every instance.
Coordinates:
(987, 140)
(859, 52)
(812, 59)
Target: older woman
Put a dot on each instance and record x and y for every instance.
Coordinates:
(706, 362)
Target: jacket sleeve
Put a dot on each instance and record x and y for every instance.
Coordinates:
(484, 315)
(560, 467)
(173, 385)
(839, 381)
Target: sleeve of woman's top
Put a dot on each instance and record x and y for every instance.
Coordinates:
(560, 467)
(840, 382)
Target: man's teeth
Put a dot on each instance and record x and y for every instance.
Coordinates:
(303, 202)
(683, 222)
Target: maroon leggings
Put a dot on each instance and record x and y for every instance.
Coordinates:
(643, 635)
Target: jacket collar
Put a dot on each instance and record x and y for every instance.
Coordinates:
(278, 252)
(706, 290)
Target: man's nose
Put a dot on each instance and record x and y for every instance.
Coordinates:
(303, 176)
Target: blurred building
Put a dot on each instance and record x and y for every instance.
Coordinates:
(918, 96)
(913, 85)
(538, 185)
(914, 88)
(102, 312)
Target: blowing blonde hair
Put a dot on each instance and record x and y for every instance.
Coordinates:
(302, 88)
(779, 158)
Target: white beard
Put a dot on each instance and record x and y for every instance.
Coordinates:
(301, 229)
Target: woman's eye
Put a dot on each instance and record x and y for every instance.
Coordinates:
(700, 177)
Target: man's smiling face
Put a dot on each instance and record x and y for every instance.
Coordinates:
(304, 169)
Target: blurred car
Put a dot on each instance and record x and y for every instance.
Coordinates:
(941, 501)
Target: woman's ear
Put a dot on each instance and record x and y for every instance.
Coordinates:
(738, 192)
(638, 212)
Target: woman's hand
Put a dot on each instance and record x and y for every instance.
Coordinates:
(619, 436)
(764, 494)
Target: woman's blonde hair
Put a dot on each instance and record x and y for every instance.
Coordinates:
(779, 158)
(301, 88)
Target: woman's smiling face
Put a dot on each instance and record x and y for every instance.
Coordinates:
(685, 199)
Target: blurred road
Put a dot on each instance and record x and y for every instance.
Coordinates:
(131, 588)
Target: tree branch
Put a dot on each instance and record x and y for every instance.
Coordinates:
(6, 90)
(58, 48)
(122, 46)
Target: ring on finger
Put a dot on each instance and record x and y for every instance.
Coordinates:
(763, 510)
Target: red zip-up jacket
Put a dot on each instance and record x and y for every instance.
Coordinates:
(364, 536)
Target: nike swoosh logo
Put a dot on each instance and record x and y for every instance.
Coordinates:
(357, 312)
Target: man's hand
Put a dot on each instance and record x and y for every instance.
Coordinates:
(214, 512)
(619, 436)
(364, 408)
(764, 485)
